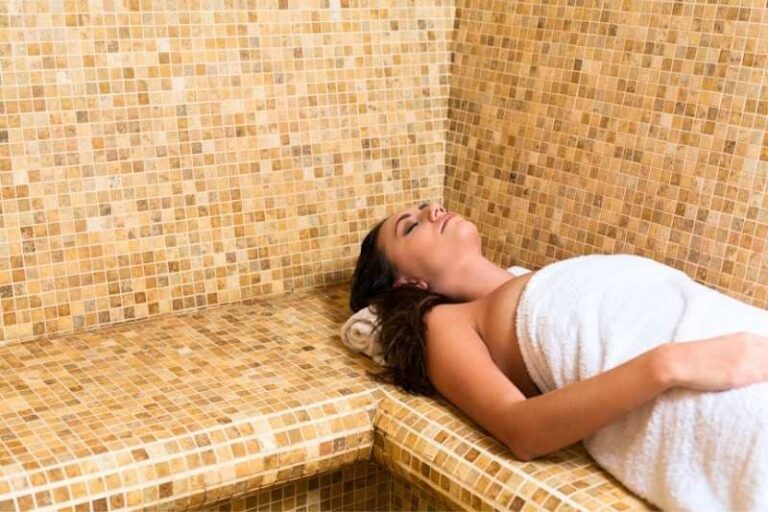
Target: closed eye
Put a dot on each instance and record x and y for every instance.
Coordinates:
(408, 229)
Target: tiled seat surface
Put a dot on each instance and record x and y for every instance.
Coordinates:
(437, 445)
(181, 411)
(161, 410)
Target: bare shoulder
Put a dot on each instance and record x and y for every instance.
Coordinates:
(448, 328)
(460, 366)
(448, 317)
(449, 333)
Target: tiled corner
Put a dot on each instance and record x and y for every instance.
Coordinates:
(614, 127)
(159, 158)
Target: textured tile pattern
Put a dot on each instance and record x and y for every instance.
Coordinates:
(196, 405)
(614, 126)
(408, 495)
(159, 160)
(185, 411)
(435, 445)
(160, 157)
(364, 486)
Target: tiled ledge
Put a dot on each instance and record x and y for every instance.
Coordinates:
(435, 445)
(176, 412)
(193, 469)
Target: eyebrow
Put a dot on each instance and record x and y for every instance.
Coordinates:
(421, 207)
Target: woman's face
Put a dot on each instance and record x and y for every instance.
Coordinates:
(423, 247)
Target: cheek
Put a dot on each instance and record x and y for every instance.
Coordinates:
(420, 255)
(465, 236)
(406, 258)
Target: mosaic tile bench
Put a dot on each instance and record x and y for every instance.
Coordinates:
(192, 411)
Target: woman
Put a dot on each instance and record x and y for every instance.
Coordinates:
(444, 313)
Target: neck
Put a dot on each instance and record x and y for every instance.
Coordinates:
(472, 280)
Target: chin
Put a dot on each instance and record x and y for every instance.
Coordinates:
(467, 232)
(465, 225)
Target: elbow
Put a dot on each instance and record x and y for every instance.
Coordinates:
(523, 455)
(520, 448)
(524, 445)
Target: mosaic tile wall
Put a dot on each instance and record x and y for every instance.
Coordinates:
(364, 486)
(614, 126)
(158, 157)
(156, 160)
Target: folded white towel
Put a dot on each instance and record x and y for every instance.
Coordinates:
(686, 450)
(358, 333)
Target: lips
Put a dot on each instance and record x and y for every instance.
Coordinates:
(445, 222)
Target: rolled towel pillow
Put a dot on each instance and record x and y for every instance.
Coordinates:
(358, 332)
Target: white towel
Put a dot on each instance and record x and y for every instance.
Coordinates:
(686, 450)
(358, 333)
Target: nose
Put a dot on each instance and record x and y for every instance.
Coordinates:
(435, 211)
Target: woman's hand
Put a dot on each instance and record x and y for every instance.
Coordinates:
(720, 363)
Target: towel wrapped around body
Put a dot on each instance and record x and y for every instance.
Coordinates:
(686, 449)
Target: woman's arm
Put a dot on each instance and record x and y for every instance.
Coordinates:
(548, 422)
(545, 423)
(462, 370)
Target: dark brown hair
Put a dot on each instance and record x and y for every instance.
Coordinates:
(400, 312)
